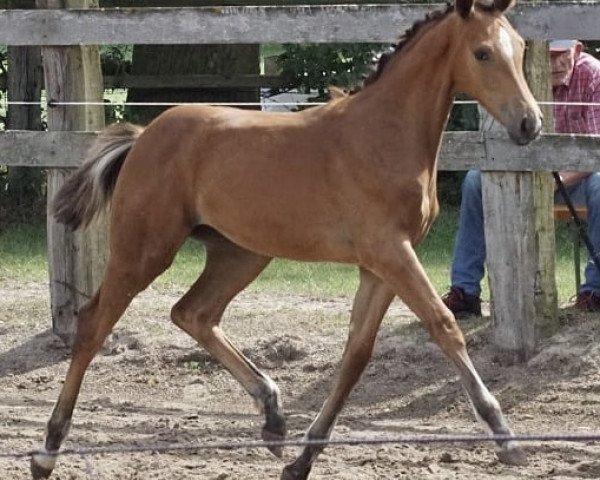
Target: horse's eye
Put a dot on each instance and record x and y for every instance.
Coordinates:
(482, 54)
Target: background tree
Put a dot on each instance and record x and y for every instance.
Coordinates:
(22, 189)
(226, 60)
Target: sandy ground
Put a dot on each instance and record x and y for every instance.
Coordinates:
(152, 386)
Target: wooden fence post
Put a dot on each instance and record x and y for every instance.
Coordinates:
(75, 260)
(520, 241)
(537, 71)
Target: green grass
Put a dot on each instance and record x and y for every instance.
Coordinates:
(323, 279)
(23, 258)
(23, 254)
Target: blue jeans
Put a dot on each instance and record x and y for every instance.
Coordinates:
(469, 251)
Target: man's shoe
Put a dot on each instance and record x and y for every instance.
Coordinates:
(587, 302)
(462, 304)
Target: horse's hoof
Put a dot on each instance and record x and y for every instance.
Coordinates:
(275, 431)
(290, 473)
(38, 471)
(287, 475)
(512, 456)
(269, 436)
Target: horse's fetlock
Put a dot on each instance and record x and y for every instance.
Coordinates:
(265, 398)
(41, 465)
(489, 411)
(56, 432)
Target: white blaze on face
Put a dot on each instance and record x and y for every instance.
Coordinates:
(505, 41)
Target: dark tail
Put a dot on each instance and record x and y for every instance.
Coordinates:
(89, 189)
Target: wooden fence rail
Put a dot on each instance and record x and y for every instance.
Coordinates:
(298, 24)
(460, 151)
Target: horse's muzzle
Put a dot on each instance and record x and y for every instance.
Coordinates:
(528, 129)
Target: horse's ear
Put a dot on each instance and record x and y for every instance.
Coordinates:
(465, 7)
(503, 5)
(336, 92)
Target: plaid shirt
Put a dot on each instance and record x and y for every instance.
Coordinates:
(583, 87)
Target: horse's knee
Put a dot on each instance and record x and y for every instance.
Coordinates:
(446, 333)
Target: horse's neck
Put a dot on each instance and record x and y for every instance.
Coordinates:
(415, 91)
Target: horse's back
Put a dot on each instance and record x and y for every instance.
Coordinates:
(267, 181)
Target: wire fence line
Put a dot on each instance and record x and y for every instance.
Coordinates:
(52, 103)
(585, 437)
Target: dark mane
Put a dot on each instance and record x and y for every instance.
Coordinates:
(404, 39)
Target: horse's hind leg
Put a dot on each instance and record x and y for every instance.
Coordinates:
(229, 269)
(370, 304)
(95, 321)
(131, 268)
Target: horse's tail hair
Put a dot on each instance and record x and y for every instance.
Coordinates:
(85, 193)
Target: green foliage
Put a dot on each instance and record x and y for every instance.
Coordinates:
(311, 67)
(113, 112)
(22, 195)
(463, 117)
(116, 59)
(592, 47)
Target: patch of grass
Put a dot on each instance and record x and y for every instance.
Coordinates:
(23, 258)
(322, 279)
(186, 268)
(23, 253)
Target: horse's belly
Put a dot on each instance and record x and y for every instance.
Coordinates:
(289, 240)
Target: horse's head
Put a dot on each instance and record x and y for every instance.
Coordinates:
(488, 66)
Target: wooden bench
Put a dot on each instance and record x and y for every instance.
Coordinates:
(562, 214)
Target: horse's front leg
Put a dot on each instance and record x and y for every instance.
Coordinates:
(398, 264)
(370, 304)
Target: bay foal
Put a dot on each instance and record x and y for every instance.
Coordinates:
(353, 181)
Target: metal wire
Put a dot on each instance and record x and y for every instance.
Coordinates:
(52, 103)
(400, 439)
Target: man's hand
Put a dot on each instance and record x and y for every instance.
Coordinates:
(570, 179)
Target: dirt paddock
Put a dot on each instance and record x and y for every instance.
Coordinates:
(152, 386)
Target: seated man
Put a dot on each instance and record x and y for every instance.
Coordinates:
(575, 79)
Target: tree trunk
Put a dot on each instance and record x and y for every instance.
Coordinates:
(24, 84)
(226, 60)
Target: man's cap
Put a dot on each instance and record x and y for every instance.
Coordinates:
(561, 45)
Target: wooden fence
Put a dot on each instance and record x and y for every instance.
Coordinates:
(487, 151)
(299, 24)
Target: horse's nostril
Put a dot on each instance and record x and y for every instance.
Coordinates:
(529, 126)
